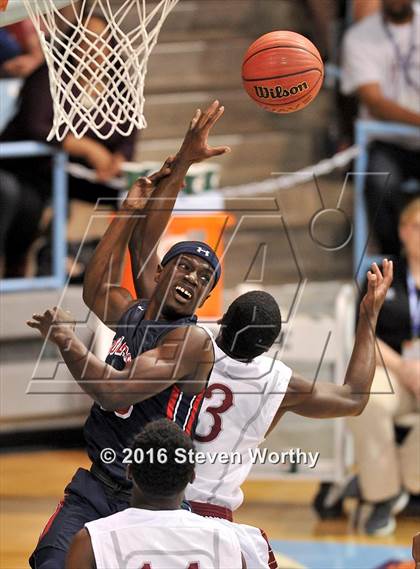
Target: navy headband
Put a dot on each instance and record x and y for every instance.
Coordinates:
(199, 249)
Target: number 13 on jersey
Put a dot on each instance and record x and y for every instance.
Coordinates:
(216, 411)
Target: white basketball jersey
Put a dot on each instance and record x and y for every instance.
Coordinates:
(240, 404)
(165, 539)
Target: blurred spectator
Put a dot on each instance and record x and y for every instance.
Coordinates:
(381, 64)
(388, 471)
(25, 183)
(9, 46)
(20, 50)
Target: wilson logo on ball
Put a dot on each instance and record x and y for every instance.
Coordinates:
(282, 71)
(278, 92)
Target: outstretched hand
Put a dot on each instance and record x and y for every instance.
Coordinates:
(195, 147)
(144, 187)
(54, 324)
(378, 286)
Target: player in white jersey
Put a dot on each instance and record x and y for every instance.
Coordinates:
(248, 393)
(241, 401)
(155, 533)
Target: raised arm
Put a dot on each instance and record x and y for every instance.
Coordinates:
(326, 400)
(184, 353)
(143, 243)
(102, 292)
(148, 231)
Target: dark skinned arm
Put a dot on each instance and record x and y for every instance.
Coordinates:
(327, 400)
(145, 236)
(80, 554)
(184, 352)
(416, 550)
(149, 229)
(102, 292)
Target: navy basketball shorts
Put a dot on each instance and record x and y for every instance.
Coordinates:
(84, 500)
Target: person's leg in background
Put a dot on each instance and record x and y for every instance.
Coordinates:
(9, 200)
(79, 252)
(23, 228)
(409, 452)
(377, 455)
(384, 194)
(411, 189)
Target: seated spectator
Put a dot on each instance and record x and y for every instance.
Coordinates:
(25, 183)
(20, 50)
(388, 471)
(9, 47)
(381, 64)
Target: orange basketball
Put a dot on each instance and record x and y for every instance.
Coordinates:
(282, 72)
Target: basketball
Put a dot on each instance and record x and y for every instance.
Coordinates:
(282, 71)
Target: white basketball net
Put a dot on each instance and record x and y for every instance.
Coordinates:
(97, 80)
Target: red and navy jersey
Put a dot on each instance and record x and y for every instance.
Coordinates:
(116, 429)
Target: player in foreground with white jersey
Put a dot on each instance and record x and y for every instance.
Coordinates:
(155, 533)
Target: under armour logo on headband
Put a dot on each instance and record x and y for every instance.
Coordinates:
(200, 250)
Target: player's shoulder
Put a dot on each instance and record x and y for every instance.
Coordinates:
(227, 536)
(274, 366)
(188, 331)
(134, 312)
(106, 524)
(224, 526)
(196, 344)
(125, 518)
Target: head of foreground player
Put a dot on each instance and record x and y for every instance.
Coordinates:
(160, 478)
(250, 326)
(184, 279)
(158, 483)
